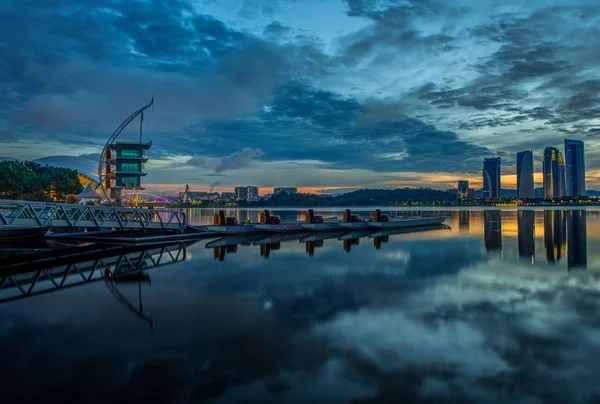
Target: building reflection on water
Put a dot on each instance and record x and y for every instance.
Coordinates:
(526, 234)
(577, 239)
(555, 234)
(492, 230)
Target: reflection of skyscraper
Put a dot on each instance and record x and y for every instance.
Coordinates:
(526, 233)
(553, 167)
(575, 168)
(525, 174)
(577, 239)
(463, 219)
(491, 178)
(492, 230)
(555, 233)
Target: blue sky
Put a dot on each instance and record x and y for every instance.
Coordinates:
(314, 94)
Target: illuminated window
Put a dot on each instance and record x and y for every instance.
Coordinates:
(130, 167)
(130, 181)
(131, 153)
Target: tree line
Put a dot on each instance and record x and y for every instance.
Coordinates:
(27, 180)
(362, 197)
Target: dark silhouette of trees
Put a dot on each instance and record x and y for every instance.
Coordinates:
(32, 181)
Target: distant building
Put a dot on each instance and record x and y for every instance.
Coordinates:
(252, 193)
(452, 191)
(463, 189)
(525, 174)
(248, 193)
(491, 178)
(553, 167)
(287, 190)
(575, 168)
(241, 193)
(471, 193)
(229, 196)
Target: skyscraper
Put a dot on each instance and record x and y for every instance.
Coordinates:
(525, 174)
(553, 167)
(575, 168)
(491, 178)
(463, 189)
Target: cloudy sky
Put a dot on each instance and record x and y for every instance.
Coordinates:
(312, 93)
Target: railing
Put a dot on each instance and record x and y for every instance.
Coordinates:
(48, 272)
(40, 214)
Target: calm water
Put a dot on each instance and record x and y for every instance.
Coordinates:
(500, 306)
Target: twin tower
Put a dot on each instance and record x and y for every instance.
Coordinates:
(559, 180)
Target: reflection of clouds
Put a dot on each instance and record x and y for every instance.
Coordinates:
(392, 339)
(498, 328)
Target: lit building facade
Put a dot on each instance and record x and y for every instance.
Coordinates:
(463, 189)
(287, 190)
(575, 168)
(124, 167)
(491, 178)
(248, 193)
(525, 186)
(553, 167)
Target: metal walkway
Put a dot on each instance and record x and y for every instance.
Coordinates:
(48, 272)
(40, 214)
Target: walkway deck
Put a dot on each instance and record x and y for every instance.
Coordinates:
(41, 214)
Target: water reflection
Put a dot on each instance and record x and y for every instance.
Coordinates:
(577, 239)
(492, 225)
(555, 234)
(431, 316)
(526, 234)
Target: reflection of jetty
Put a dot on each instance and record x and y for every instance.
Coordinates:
(45, 272)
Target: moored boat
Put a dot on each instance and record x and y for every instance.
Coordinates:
(230, 225)
(273, 223)
(385, 222)
(318, 223)
(354, 222)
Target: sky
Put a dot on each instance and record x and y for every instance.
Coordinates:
(317, 94)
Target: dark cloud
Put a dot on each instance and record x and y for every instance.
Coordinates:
(304, 123)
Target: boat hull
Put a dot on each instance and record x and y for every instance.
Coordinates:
(323, 226)
(355, 225)
(241, 229)
(405, 223)
(279, 228)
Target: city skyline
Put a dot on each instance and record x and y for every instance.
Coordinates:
(334, 94)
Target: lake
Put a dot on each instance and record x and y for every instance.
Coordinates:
(497, 306)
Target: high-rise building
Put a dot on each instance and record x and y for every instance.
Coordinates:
(575, 168)
(491, 178)
(241, 193)
(553, 167)
(525, 174)
(463, 189)
(287, 190)
(252, 193)
(248, 193)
